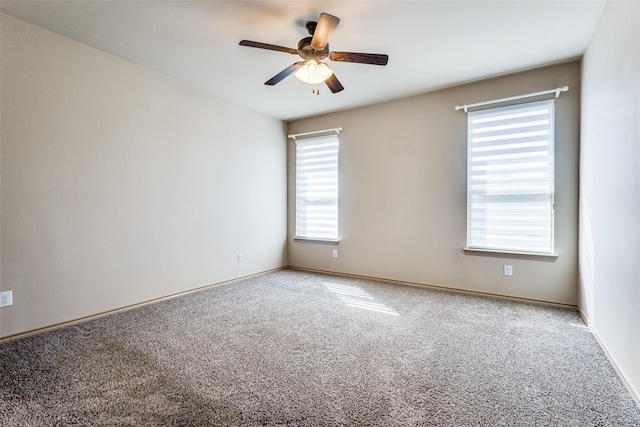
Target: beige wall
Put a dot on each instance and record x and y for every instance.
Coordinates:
(120, 185)
(403, 192)
(610, 187)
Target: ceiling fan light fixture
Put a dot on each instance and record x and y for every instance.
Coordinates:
(314, 49)
(313, 72)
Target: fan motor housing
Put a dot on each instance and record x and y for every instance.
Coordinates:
(306, 51)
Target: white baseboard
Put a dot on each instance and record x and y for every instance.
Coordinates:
(438, 287)
(128, 307)
(634, 394)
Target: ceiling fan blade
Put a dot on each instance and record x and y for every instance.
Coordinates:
(267, 46)
(326, 25)
(361, 58)
(284, 73)
(334, 84)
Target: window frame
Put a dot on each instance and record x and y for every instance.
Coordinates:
(322, 141)
(471, 243)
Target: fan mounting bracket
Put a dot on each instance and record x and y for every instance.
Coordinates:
(311, 27)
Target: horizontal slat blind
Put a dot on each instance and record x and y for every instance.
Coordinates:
(317, 188)
(510, 178)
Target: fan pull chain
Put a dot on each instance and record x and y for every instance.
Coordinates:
(316, 91)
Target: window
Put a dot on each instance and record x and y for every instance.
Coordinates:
(510, 178)
(317, 188)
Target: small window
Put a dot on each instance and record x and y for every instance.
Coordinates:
(317, 188)
(510, 178)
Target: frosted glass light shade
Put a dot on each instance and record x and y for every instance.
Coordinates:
(313, 72)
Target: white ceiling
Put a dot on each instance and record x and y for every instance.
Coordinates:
(431, 44)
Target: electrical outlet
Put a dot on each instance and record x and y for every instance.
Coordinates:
(508, 270)
(335, 253)
(6, 298)
(240, 257)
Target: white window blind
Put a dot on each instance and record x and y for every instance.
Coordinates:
(510, 178)
(317, 188)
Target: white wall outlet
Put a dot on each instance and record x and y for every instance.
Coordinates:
(240, 257)
(335, 253)
(508, 270)
(6, 298)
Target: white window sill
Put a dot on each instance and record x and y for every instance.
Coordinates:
(316, 240)
(510, 254)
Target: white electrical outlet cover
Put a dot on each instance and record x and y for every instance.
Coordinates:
(508, 270)
(6, 298)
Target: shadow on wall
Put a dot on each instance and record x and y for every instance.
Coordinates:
(587, 264)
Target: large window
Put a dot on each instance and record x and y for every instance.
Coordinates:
(510, 178)
(317, 188)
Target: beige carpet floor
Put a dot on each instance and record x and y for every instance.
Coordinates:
(303, 349)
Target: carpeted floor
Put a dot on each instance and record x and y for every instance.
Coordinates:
(303, 349)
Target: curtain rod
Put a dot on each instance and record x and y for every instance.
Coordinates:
(528, 95)
(317, 132)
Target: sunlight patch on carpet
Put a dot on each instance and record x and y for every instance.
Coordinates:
(355, 297)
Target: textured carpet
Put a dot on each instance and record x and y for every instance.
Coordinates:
(296, 348)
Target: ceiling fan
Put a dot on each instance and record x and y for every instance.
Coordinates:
(313, 50)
